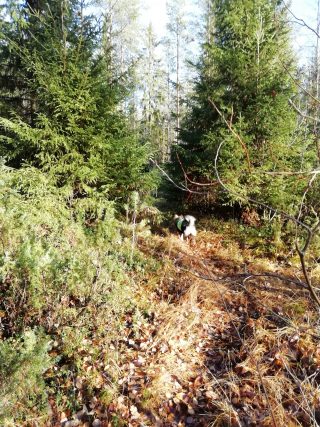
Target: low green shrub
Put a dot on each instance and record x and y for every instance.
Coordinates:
(23, 361)
(64, 267)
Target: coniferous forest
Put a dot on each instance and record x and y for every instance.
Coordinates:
(108, 130)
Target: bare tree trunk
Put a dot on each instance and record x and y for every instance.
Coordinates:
(317, 89)
(168, 116)
(178, 82)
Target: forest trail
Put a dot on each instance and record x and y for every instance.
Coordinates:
(106, 125)
(217, 349)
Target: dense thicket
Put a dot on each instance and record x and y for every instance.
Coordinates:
(62, 284)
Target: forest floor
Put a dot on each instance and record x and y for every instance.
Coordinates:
(223, 342)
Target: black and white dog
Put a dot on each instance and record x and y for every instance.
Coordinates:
(185, 226)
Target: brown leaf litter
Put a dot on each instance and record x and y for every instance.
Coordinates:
(216, 350)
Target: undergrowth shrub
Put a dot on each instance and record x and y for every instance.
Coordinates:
(47, 254)
(65, 274)
(22, 361)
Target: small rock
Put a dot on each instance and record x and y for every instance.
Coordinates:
(81, 414)
(72, 423)
(190, 410)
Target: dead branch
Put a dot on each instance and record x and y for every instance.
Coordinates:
(310, 231)
(302, 114)
(287, 173)
(302, 254)
(297, 82)
(181, 186)
(253, 201)
(301, 21)
(309, 185)
(247, 276)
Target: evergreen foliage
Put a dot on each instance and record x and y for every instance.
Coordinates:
(60, 275)
(245, 70)
(76, 131)
(72, 283)
(69, 161)
(23, 362)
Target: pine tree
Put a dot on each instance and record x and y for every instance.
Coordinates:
(152, 88)
(177, 38)
(309, 97)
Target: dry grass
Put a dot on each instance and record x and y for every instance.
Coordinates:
(252, 347)
(181, 338)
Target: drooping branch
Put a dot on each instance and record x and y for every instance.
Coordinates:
(198, 184)
(302, 114)
(308, 187)
(301, 21)
(179, 186)
(249, 199)
(248, 276)
(297, 82)
(302, 254)
(287, 173)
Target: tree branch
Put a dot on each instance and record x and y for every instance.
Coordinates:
(199, 184)
(310, 231)
(180, 187)
(302, 114)
(234, 133)
(253, 201)
(301, 21)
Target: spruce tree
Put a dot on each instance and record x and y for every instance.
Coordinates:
(77, 133)
(245, 73)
